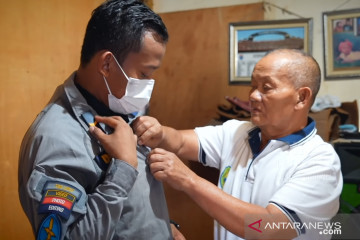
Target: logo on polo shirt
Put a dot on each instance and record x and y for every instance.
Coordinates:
(224, 176)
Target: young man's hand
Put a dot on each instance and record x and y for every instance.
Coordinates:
(121, 144)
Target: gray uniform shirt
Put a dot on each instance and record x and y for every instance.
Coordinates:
(58, 176)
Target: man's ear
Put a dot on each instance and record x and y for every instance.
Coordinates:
(104, 63)
(304, 98)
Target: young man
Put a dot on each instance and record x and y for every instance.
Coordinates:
(276, 175)
(70, 185)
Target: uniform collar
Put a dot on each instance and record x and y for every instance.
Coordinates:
(98, 106)
(79, 103)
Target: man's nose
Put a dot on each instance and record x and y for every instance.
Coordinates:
(255, 96)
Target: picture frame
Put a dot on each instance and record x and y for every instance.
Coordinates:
(250, 41)
(341, 35)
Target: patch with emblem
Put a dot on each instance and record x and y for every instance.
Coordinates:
(50, 228)
(59, 198)
(223, 176)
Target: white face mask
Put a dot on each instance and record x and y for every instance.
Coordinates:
(137, 95)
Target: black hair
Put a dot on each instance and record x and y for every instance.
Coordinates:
(119, 27)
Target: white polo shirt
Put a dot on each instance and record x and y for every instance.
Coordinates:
(299, 173)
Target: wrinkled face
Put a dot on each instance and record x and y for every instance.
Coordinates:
(273, 96)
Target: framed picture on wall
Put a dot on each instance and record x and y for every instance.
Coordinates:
(342, 44)
(250, 41)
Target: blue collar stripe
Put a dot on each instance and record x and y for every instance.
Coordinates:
(292, 139)
(254, 141)
(300, 135)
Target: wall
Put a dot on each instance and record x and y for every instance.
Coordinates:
(193, 78)
(165, 6)
(40, 46)
(344, 89)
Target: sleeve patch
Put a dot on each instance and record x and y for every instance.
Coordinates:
(58, 198)
(50, 228)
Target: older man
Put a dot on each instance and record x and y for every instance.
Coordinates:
(276, 175)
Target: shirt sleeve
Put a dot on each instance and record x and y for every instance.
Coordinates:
(65, 183)
(217, 142)
(210, 144)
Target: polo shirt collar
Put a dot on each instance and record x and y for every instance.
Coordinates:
(297, 137)
(255, 141)
(300, 135)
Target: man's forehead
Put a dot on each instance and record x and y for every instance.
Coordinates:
(271, 72)
(279, 57)
(272, 63)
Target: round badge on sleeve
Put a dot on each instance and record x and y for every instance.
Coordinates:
(50, 228)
